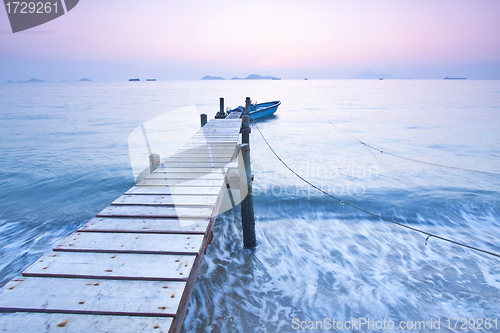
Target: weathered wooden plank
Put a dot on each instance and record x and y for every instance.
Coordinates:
(221, 136)
(131, 243)
(168, 163)
(231, 132)
(146, 225)
(226, 124)
(228, 145)
(171, 200)
(196, 168)
(202, 154)
(156, 211)
(219, 122)
(121, 266)
(233, 115)
(173, 190)
(92, 296)
(65, 323)
(159, 173)
(214, 139)
(196, 182)
(196, 148)
(221, 128)
(216, 165)
(199, 159)
(215, 147)
(212, 145)
(188, 170)
(233, 125)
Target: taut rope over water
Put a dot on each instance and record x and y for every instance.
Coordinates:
(415, 160)
(370, 213)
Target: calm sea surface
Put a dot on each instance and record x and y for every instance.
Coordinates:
(64, 157)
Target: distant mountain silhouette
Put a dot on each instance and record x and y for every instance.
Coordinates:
(373, 75)
(84, 80)
(33, 80)
(10, 81)
(256, 77)
(208, 77)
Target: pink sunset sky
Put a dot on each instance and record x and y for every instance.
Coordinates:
(119, 39)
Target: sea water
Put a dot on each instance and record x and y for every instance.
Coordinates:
(65, 157)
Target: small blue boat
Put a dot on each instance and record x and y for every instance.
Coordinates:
(260, 110)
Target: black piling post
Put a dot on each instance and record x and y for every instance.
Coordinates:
(203, 118)
(247, 213)
(245, 123)
(221, 114)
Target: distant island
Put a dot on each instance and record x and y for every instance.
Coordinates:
(10, 81)
(256, 77)
(372, 75)
(249, 77)
(84, 80)
(33, 80)
(208, 77)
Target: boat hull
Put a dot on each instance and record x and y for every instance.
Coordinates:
(264, 109)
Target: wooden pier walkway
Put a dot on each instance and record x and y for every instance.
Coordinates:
(132, 268)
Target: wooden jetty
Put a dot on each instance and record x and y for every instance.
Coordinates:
(133, 267)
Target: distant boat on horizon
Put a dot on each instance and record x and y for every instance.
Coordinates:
(305, 78)
(150, 79)
(381, 78)
(134, 79)
(455, 78)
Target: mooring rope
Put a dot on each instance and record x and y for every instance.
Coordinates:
(412, 159)
(428, 234)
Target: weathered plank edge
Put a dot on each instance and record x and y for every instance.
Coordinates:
(89, 312)
(180, 253)
(102, 277)
(149, 231)
(86, 228)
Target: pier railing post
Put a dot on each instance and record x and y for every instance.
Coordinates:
(221, 114)
(221, 105)
(247, 214)
(245, 123)
(203, 118)
(154, 162)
